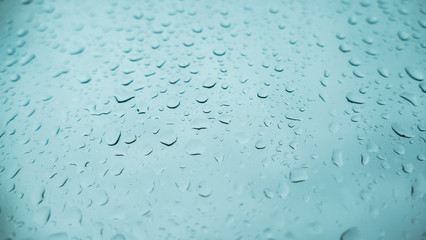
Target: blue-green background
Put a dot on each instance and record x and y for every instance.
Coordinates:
(212, 119)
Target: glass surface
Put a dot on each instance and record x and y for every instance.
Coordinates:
(212, 119)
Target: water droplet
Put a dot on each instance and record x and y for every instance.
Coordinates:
(356, 98)
(260, 144)
(403, 36)
(209, 83)
(354, 62)
(351, 234)
(407, 167)
(219, 52)
(414, 74)
(337, 158)
(411, 98)
(401, 130)
(219, 157)
(268, 193)
(298, 175)
(225, 119)
(365, 159)
(422, 86)
(194, 147)
(384, 72)
(261, 93)
(399, 149)
(345, 48)
(173, 102)
(279, 68)
(168, 137)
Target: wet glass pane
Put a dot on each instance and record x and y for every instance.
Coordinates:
(212, 119)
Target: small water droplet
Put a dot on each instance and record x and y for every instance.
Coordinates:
(337, 158)
(298, 175)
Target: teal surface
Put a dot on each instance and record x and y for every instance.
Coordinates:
(212, 120)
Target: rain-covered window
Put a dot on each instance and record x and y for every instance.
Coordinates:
(217, 120)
